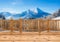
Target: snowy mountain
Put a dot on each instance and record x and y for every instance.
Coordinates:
(29, 14)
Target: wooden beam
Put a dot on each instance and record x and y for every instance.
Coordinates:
(20, 26)
(11, 26)
(48, 28)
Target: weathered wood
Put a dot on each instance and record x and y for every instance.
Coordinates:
(48, 26)
(39, 26)
(11, 26)
(20, 26)
(31, 25)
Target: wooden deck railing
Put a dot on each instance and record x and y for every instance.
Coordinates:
(31, 25)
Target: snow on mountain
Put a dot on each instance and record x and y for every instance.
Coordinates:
(57, 18)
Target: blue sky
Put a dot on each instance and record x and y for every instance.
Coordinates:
(18, 6)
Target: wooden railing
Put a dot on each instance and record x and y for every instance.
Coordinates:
(31, 25)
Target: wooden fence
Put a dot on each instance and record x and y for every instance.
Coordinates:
(29, 26)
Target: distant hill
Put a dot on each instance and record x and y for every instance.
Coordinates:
(57, 13)
(2, 17)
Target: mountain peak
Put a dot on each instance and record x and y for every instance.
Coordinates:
(39, 10)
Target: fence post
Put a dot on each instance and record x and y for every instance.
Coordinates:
(48, 28)
(20, 26)
(39, 26)
(11, 26)
(4, 28)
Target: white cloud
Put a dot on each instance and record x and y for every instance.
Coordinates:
(9, 10)
(14, 3)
